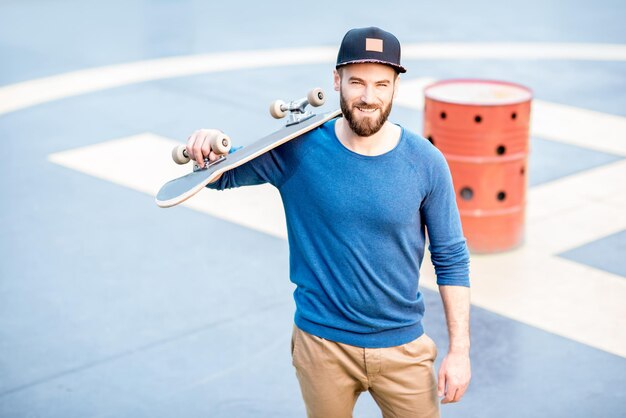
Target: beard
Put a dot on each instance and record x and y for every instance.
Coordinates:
(366, 126)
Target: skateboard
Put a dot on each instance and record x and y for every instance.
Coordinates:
(299, 121)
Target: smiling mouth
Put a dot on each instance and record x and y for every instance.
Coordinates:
(367, 109)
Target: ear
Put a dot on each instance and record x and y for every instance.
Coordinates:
(336, 80)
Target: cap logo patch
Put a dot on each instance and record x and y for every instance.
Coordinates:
(373, 44)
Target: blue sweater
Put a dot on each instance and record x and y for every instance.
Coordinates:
(356, 232)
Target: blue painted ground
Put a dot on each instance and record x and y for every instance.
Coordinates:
(606, 253)
(108, 310)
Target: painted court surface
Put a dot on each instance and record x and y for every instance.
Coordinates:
(112, 307)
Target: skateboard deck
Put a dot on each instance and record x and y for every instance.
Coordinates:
(178, 190)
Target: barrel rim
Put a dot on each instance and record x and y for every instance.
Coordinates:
(439, 83)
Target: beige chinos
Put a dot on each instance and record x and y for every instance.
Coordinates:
(332, 375)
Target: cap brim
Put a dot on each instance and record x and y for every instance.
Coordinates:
(398, 68)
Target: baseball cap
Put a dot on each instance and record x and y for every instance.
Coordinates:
(370, 45)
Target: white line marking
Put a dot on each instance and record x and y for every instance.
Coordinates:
(581, 127)
(29, 93)
(411, 92)
(577, 209)
(515, 51)
(258, 207)
(557, 295)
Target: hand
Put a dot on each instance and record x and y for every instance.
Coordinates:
(454, 377)
(199, 146)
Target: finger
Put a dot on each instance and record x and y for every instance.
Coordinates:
(459, 393)
(189, 146)
(449, 398)
(197, 150)
(213, 156)
(206, 146)
(441, 384)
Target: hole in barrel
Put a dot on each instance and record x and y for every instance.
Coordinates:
(514, 115)
(522, 171)
(430, 138)
(443, 115)
(478, 118)
(466, 193)
(501, 150)
(501, 196)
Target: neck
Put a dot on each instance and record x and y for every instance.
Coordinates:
(381, 142)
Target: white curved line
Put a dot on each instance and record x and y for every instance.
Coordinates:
(21, 95)
(18, 96)
(516, 51)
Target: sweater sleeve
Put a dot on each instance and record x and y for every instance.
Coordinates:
(447, 246)
(266, 168)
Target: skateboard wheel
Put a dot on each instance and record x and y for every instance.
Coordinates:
(276, 109)
(220, 143)
(179, 155)
(316, 97)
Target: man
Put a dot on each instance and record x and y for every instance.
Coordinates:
(358, 194)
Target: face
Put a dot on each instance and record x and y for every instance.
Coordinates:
(366, 93)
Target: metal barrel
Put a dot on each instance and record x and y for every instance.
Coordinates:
(482, 128)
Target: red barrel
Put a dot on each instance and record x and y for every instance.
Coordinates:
(482, 128)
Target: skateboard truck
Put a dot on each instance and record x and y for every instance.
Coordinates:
(208, 163)
(297, 108)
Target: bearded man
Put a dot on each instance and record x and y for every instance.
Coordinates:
(359, 194)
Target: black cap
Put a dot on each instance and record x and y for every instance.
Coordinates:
(370, 45)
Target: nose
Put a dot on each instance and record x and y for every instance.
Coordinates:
(368, 95)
